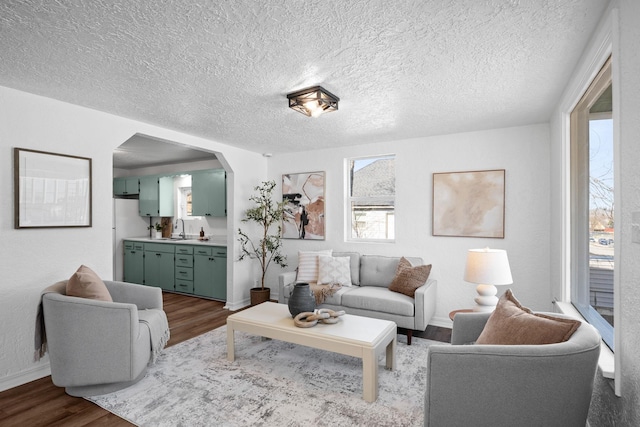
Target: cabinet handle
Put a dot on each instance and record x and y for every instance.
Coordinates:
(158, 254)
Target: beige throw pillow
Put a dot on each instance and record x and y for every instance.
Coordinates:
(511, 323)
(409, 278)
(308, 265)
(85, 283)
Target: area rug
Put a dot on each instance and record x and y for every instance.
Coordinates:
(271, 383)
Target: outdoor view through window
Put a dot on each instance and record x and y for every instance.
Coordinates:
(601, 207)
(372, 190)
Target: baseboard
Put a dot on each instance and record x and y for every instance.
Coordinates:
(237, 306)
(24, 377)
(442, 322)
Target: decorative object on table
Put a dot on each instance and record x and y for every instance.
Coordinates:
(313, 101)
(301, 299)
(303, 199)
(265, 214)
(469, 204)
(308, 319)
(37, 174)
(487, 268)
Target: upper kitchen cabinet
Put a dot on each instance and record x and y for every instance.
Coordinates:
(209, 193)
(156, 196)
(126, 186)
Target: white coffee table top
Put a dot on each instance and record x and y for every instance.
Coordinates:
(349, 328)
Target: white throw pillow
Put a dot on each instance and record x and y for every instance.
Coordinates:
(333, 270)
(308, 265)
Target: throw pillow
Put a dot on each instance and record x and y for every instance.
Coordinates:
(409, 278)
(308, 265)
(332, 270)
(85, 283)
(511, 323)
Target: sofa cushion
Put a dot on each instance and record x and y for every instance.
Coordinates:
(85, 283)
(511, 323)
(354, 265)
(308, 265)
(377, 298)
(334, 270)
(409, 278)
(377, 270)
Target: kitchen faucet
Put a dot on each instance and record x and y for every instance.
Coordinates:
(184, 236)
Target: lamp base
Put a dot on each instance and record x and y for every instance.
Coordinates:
(486, 300)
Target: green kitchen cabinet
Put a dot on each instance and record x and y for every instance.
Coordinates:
(134, 262)
(156, 196)
(126, 186)
(159, 266)
(209, 193)
(210, 272)
(184, 268)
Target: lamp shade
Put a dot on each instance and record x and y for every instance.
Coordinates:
(488, 266)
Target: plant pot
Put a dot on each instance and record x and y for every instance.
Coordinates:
(259, 295)
(158, 235)
(301, 299)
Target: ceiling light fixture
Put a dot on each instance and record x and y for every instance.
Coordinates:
(313, 101)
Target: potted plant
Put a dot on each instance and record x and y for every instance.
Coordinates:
(158, 230)
(266, 214)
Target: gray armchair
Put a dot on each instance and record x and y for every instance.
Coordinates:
(98, 347)
(509, 385)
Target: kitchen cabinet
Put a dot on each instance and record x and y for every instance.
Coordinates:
(125, 186)
(156, 196)
(184, 268)
(210, 272)
(159, 265)
(134, 262)
(209, 193)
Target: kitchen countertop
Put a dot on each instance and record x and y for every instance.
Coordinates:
(215, 241)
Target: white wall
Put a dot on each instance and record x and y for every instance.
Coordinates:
(32, 259)
(523, 152)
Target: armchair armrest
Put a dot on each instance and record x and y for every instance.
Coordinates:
(425, 304)
(467, 327)
(285, 279)
(142, 296)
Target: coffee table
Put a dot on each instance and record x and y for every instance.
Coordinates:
(357, 336)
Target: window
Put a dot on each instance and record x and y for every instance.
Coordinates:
(592, 205)
(371, 198)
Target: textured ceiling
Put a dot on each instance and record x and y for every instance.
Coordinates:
(221, 70)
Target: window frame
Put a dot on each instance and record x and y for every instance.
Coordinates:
(579, 205)
(349, 200)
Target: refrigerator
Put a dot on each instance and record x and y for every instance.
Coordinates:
(127, 222)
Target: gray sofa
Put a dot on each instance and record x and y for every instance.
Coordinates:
(97, 347)
(369, 296)
(509, 385)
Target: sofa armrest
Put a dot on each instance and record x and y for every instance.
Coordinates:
(425, 304)
(467, 327)
(285, 279)
(88, 338)
(142, 296)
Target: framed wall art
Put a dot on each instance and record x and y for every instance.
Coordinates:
(303, 195)
(51, 190)
(469, 204)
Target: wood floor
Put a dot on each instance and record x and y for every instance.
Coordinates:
(40, 403)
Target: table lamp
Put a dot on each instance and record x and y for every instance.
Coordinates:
(487, 268)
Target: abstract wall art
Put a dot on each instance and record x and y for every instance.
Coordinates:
(469, 204)
(303, 195)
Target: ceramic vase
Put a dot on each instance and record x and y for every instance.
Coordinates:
(301, 299)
